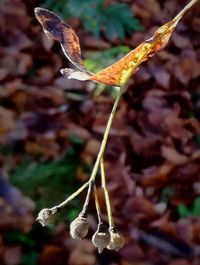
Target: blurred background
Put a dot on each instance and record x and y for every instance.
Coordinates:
(51, 129)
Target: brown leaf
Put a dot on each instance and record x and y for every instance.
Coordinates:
(155, 176)
(187, 67)
(3, 73)
(58, 30)
(85, 251)
(13, 255)
(7, 121)
(179, 262)
(171, 155)
(162, 77)
(51, 254)
(132, 251)
(139, 205)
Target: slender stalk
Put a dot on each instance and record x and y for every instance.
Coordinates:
(106, 194)
(97, 205)
(183, 11)
(100, 154)
(87, 200)
(73, 195)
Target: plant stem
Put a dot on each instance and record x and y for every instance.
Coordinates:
(100, 154)
(106, 194)
(73, 195)
(87, 200)
(97, 205)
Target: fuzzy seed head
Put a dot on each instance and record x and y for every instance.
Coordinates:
(79, 227)
(116, 240)
(46, 216)
(101, 238)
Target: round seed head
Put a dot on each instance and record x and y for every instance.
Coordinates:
(79, 227)
(116, 240)
(46, 216)
(101, 238)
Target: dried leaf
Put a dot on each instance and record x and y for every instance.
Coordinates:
(13, 255)
(118, 73)
(171, 155)
(50, 254)
(179, 262)
(56, 29)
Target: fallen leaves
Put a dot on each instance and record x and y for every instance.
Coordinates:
(155, 113)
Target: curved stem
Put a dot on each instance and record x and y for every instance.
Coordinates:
(87, 200)
(105, 136)
(73, 195)
(106, 194)
(100, 154)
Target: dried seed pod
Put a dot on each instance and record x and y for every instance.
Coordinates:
(101, 238)
(79, 227)
(116, 239)
(46, 216)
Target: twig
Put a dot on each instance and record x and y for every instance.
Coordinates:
(97, 205)
(100, 154)
(106, 194)
(87, 200)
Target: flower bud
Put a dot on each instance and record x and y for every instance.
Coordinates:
(101, 238)
(79, 227)
(46, 216)
(116, 240)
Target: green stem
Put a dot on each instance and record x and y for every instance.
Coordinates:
(106, 194)
(100, 154)
(87, 200)
(73, 195)
(97, 205)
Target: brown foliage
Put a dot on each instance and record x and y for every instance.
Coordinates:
(152, 143)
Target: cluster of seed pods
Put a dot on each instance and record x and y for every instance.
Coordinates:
(104, 237)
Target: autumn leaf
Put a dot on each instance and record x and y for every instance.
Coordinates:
(118, 73)
(58, 30)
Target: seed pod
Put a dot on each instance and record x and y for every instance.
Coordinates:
(101, 238)
(116, 240)
(46, 216)
(79, 227)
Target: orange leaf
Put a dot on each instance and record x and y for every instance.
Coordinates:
(119, 73)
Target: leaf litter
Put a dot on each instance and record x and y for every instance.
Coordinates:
(157, 120)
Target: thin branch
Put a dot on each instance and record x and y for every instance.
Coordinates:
(106, 194)
(100, 154)
(87, 200)
(97, 205)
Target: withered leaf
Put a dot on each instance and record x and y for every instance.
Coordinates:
(58, 30)
(118, 73)
(171, 155)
